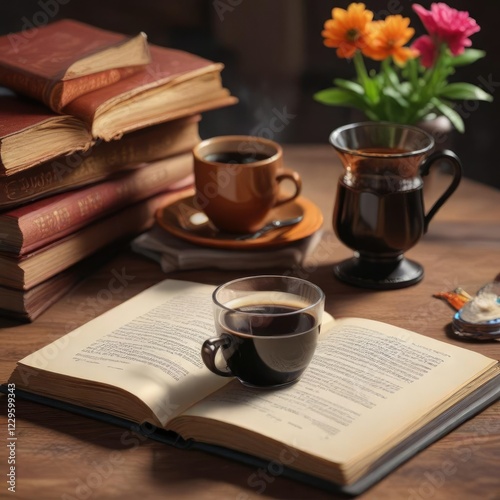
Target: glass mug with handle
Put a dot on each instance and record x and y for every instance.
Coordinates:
(379, 207)
(267, 328)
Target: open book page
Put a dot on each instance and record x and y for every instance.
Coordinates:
(367, 383)
(148, 346)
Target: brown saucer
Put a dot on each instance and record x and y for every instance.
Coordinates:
(183, 220)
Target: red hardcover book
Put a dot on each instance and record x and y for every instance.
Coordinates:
(173, 85)
(23, 273)
(37, 224)
(62, 60)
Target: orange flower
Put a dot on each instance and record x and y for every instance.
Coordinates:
(348, 29)
(388, 37)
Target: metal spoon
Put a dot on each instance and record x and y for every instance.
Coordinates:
(275, 224)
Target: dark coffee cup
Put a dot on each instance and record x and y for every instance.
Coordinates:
(267, 329)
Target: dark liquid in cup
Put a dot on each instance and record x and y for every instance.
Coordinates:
(236, 157)
(378, 221)
(260, 359)
(384, 151)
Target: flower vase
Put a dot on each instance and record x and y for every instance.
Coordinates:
(442, 131)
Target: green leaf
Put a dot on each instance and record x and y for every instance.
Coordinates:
(349, 85)
(465, 91)
(450, 113)
(372, 91)
(405, 89)
(340, 97)
(422, 112)
(371, 115)
(468, 56)
(396, 96)
(391, 75)
(391, 109)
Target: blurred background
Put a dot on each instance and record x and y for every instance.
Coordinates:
(275, 61)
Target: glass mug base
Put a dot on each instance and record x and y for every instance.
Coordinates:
(268, 387)
(380, 274)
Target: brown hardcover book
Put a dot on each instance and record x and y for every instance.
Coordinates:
(62, 60)
(174, 84)
(27, 305)
(32, 269)
(30, 134)
(102, 161)
(37, 224)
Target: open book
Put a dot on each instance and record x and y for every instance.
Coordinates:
(373, 395)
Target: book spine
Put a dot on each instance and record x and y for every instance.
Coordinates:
(57, 94)
(77, 209)
(33, 86)
(99, 162)
(66, 91)
(60, 255)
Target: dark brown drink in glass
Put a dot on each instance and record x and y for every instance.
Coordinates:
(251, 357)
(383, 222)
(379, 207)
(267, 329)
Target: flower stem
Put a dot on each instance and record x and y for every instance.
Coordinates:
(413, 74)
(359, 64)
(364, 79)
(436, 75)
(385, 65)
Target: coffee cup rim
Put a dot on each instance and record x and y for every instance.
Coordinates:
(321, 298)
(238, 139)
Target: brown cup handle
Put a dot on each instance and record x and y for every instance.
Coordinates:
(295, 178)
(208, 352)
(456, 164)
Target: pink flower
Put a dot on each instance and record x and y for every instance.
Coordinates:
(445, 25)
(427, 50)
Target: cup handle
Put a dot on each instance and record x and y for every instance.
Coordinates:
(297, 181)
(208, 352)
(456, 164)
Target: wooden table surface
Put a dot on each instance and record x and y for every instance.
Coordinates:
(64, 456)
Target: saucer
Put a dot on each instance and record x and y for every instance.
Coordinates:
(182, 219)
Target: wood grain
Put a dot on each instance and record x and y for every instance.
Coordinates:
(60, 455)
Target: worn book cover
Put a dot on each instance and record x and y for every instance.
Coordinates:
(37, 224)
(175, 84)
(59, 61)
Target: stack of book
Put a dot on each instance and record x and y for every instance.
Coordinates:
(96, 132)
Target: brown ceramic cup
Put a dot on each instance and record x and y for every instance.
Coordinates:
(237, 181)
